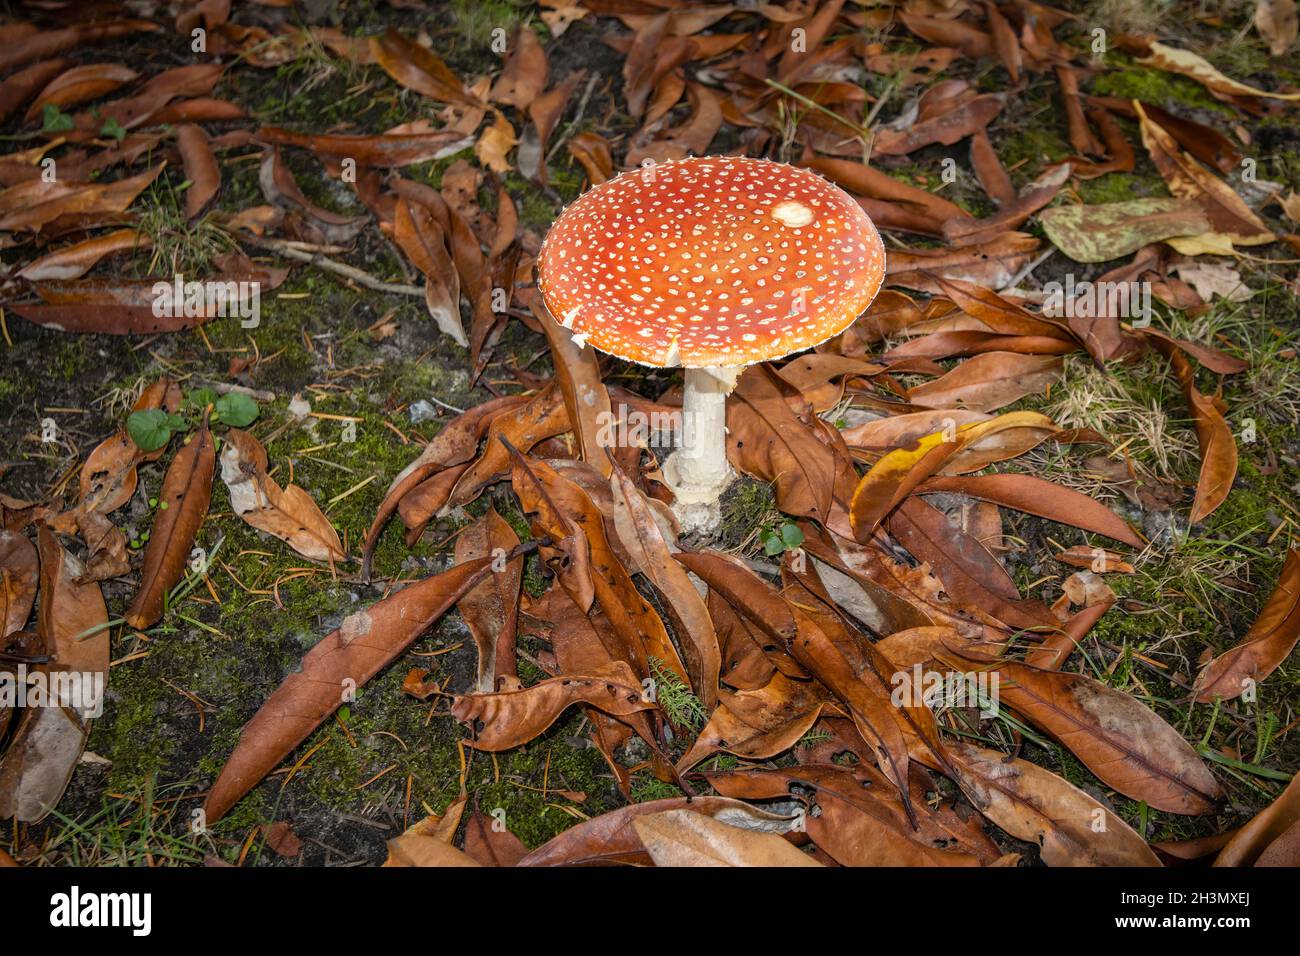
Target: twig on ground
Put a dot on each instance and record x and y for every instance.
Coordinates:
(577, 117)
(338, 268)
(1029, 267)
(223, 388)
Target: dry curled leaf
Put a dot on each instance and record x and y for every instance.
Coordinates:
(1188, 64)
(419, 68)
(19, 571)
(1277, 23)
(585, 396)
(506, 719)
(418, 234)
(1121, 740)
(612, 838)
(1217, 442)
(200, 168)
(686, 838)
(1255, 838)
(491, 608)
(1113, 230)
(989, 381)
(289, 514)
(494, 146)
(523, 77)
(48, 740)
(1264, 647)
(489, 842)
(74, 261)
(1037, 496)
(1032, 804)
(898, 473)
(652, 555)
(81, 84)
(398, 149)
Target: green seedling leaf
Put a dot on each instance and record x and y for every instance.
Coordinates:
(114, 129)
(152, 429)
(787, 538)
(772, 543)
(55, 120)
(201, 398)
(236, 409)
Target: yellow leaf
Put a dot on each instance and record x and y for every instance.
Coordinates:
(495, 144)
(1189, 64)
(896, 474)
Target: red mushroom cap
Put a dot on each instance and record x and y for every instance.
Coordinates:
(714, 260)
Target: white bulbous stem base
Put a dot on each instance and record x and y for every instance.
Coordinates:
(698, 472)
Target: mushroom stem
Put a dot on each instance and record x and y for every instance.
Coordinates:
(698, 472)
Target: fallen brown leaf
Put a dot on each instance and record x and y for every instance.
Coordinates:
(1263, 648)
(48, 741)
(491, 608)
(510, 718)
(289, 514)
(685, 838)
(182, 506)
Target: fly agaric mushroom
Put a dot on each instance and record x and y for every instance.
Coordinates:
(712, 263)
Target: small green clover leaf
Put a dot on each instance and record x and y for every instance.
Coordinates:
(55, 120)
(786, 538)
(114, 129)
(152, 428)
(236, 409)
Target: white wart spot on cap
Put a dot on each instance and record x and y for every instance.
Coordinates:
(792, 213)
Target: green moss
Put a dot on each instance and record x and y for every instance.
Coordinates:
(646, 788)
(319, 92)
(326, 191)
(1130, 81)
(239, 186)
(537, 209)
(1278, 164)
(70, 359)
(747, 506)
(1119, 187)
(128, 733)
(1031, 147)
(567, 180)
